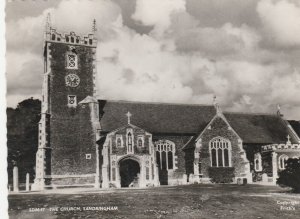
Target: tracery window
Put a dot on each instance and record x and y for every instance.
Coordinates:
(282, 161)
(165, 154)
(129, 140)
(257, 162)
(220, 150)
(72, 60)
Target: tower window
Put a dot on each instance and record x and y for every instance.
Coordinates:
(72, 39)
(220, 151)
(67, 39)
(77, 40)
(53, 36)
(72, 101)
(90, 41)
(72, 60)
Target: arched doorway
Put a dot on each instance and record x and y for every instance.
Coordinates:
(129, 173)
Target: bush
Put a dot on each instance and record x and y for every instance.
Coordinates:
(290, 177)
(221, 174)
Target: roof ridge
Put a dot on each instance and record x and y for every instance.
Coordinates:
(251, 113)
(161, 103)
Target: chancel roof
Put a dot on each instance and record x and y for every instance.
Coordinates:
(258, 128)
(182, 119)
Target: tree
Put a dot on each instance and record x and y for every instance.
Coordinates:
(22, 137)
(290, 176)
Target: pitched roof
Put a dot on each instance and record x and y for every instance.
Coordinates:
(258, 128)
(165, 118)
(156, 117)
(296, 126)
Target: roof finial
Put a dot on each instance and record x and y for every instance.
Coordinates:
(216, 104)
(94, 27)
(48, 23)
(279, 110)
(128, 114)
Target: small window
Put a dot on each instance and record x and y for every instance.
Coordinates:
(282, 161)
(72, 101)
(72, 39)
(67, 39)
(140, 141)
(88, 156)
(119, 141)
(53, 36)
(257, 162)
(90, 41)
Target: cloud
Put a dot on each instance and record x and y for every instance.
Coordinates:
(182, 59)
(281, 20)
(156, 12)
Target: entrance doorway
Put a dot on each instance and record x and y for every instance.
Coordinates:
(129, 173)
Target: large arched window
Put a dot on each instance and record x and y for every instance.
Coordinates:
(282, 161)
(220, 150)
(165, 154)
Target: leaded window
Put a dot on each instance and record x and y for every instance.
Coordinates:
(72, 60)
(165, 155)
(220, 151)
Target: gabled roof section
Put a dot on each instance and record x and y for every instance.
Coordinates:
(156, 117)
(258, 128)
(295, 125)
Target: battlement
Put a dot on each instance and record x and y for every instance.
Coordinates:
(275, 147)
(53, 36)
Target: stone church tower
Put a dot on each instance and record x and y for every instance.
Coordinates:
(69, 155)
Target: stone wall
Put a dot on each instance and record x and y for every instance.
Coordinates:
(72, 136)
(219, 128)
(175, 176)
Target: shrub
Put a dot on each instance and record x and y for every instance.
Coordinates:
(221, 174)
(290, 176)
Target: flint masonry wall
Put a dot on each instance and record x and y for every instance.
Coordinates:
(180, 141)
(71, 133)
(220, 129)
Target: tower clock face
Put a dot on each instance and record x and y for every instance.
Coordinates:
(72, 80)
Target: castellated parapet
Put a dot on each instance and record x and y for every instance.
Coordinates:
(52, 35)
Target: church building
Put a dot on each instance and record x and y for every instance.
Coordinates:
(84, 141)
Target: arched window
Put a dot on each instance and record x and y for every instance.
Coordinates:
(282, 161)
(129, 141)
(72, 60)
(220, 150)
(140, 141)
(165, 154)
(257, 162)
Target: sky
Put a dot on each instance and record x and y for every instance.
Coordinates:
(180, 51)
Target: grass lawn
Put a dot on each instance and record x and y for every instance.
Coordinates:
(189, 201)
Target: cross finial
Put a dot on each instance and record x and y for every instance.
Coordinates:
(279, 110)
(128, 114)
(215, 102)
(94, 27)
